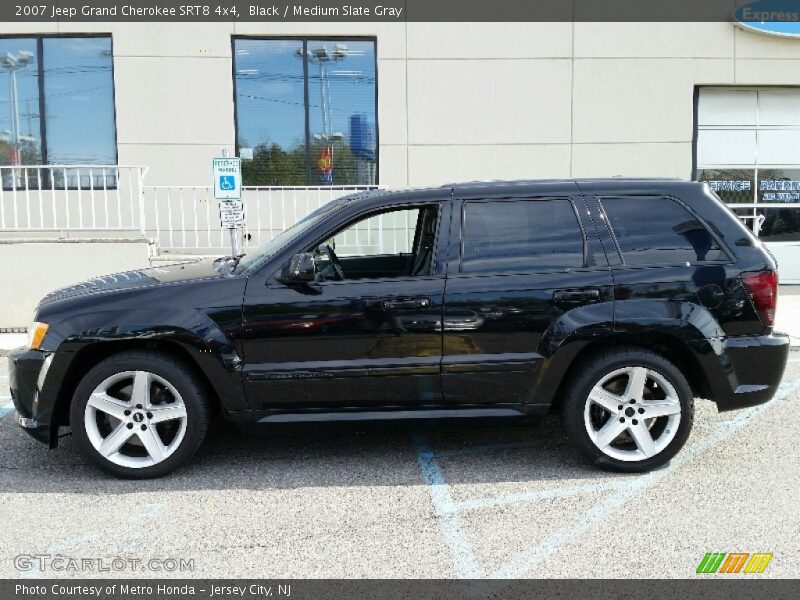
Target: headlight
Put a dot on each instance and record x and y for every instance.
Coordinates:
(36, 335)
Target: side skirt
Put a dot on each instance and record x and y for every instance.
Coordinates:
(375, 415)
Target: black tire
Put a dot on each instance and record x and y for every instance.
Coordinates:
(590, 373)
(195, 399)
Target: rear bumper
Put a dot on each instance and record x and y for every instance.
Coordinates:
(27, 370)
(755, 370)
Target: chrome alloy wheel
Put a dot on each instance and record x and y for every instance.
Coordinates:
(632, 413)
(135, 419)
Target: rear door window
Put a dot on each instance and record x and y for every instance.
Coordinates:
(521, 235)
(657, 231)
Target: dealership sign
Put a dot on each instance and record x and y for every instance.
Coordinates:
(771, 17)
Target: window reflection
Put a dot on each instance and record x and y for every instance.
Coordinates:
(341, 87)
(780, 224)
(298, 130)
(671, 236)
(521, 236)
(270, 111)
(79, 98)
(20, 130)
(76, 92)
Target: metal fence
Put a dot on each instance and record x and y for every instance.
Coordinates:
(113, 201)
(185, 219)
(62, 199)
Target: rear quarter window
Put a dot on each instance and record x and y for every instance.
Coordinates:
(658, 231)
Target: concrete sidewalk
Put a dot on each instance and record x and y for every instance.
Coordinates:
(788, 321)
(788, 318)
(9, 341)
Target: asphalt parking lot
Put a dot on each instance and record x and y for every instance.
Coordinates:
(415, 502)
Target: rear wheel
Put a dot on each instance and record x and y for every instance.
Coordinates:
(628, 410)
(139, 415)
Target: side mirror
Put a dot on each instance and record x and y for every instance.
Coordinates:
(301, 268)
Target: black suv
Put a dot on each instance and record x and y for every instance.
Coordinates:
(614, 302)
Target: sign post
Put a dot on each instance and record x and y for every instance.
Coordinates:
(228, 191)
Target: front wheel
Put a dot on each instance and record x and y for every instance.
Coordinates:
(139, 415)
(628, 410)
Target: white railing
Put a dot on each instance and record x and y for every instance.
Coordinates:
(113, 200)
(185, 219)
(758, 221)
(72, 198)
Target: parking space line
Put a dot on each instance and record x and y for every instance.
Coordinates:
(632, 488)
(4, 410)
(127, 543)
(58, 548)
(446, 513)
(490, 502)
(490, 447)
(447, 510)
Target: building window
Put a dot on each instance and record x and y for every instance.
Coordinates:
(748, 150)
(306, 111)
(56, 107)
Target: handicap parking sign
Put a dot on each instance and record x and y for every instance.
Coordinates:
(227, 178)
(227, 182)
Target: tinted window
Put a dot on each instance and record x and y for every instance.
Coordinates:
(659, 231)
(521, 235)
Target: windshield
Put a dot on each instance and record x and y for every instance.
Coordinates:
(255, 257)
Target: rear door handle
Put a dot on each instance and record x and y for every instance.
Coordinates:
(406, 303)
(576, 296)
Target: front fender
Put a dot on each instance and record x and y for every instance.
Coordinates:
(208, 340)
(87, 328)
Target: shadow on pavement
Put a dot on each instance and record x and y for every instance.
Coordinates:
(294, 456)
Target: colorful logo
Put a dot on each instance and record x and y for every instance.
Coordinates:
(734, 562)
(325, 166)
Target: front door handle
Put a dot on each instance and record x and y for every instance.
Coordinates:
(576, 296)
(406, 303)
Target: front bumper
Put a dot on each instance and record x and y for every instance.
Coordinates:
(755, 370)
(27, 371)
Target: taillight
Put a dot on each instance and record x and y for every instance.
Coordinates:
(763, 289)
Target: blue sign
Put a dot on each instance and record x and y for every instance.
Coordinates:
(227, 182)
(227, 178)
(771, 17)
(362, 136)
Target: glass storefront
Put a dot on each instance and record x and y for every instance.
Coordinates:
(748, 150)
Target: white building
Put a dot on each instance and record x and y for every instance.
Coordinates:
(393, 104)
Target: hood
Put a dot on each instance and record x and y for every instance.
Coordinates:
(203, 269)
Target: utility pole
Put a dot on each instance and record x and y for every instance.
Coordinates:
(13, 63)
(232, 231)
(322, 56)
